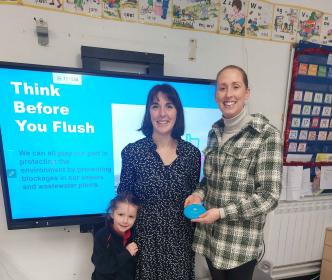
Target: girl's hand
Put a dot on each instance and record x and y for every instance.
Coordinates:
(192, 199)
(132, 248)
(209, 217)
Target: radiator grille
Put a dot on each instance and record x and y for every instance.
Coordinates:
(296, 232)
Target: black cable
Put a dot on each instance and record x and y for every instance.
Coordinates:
(316, 277)
(262, 254)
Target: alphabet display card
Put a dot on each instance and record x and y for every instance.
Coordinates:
(259, 19)
(310, 25)
(233, 17)
(285, 23)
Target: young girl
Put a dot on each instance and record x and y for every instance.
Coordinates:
(114, 252)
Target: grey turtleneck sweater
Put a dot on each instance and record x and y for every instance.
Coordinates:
(235, 124)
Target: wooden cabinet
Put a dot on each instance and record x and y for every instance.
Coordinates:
(326, 269)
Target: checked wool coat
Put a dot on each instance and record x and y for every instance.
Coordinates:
(243, 177)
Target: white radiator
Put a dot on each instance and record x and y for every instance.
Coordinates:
(294, 238)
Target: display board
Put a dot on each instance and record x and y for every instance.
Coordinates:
(308, 130)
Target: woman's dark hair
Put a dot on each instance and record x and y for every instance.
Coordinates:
(243, 73)
(126, 197)
(237, 4)
(171, 93)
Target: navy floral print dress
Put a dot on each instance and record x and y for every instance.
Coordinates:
(163, 235)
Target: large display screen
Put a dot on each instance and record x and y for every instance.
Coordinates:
(62, 132)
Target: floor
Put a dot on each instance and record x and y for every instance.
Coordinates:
(202, 272)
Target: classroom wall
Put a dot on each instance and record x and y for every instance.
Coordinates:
(63, 252)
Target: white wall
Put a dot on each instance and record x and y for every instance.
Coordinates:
(64, 253)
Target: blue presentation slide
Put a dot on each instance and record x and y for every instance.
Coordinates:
(62, 136)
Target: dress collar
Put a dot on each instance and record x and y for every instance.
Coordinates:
(152, 146)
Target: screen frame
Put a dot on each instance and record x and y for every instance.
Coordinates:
(77, 219)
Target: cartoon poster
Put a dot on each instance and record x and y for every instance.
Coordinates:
(233, 17)
(259, 19)
(326, 32)
(111, 9)
(196, 14)
(129, 10)
(45, 4)
(310, 23)
(126, 10)
(155, 12)
(285, 22)
(83, 7)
